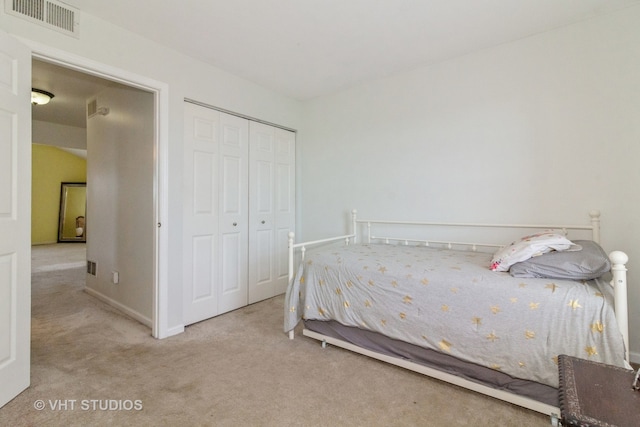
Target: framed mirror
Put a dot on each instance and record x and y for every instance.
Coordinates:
(73, 208)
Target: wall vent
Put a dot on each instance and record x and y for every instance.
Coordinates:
(92, 268)
(52, 14)
(92, 108)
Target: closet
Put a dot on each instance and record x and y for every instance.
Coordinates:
(239, 190)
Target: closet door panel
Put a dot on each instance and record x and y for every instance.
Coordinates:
(264, 188)
(271, 209)
(234, 224)
(261, 215)
(263, 251)
(201, 214)
(231, 270)
(232, 197)
(285, 164)
(262, 221)
(263, 264)
(284, 193)
(204, 255)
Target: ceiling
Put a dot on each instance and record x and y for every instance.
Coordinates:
(71, 90)
(309, 48)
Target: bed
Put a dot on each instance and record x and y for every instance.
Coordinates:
(487, 315)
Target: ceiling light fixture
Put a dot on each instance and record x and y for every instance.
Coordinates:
(40, 97)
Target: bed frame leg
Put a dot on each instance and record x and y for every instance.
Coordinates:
(324, 344)
(555, 420)
(619, 283)
(291, 334)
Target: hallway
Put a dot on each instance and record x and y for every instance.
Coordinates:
(58, 256)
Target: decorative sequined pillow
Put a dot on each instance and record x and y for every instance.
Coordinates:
(528, 247)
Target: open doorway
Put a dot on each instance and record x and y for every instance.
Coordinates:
(116, 135)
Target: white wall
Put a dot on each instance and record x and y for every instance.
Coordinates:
(120, 210)
(542, 129)
(107, 44)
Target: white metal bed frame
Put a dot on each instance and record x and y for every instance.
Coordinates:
(619, 283)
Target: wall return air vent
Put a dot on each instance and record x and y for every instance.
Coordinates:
(52, 14)
(93, 109)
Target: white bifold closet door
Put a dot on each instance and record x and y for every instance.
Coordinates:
(216, 212)
(238, 209)
(271, 208)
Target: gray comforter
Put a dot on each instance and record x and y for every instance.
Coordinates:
(450, 301)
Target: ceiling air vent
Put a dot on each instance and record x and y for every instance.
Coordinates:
(52, 14)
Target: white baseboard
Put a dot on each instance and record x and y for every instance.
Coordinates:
(119, 306)
(634, 357)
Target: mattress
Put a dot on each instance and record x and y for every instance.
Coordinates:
(450, 302)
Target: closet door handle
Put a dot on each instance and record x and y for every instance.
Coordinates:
(235, 224)
(263, 221)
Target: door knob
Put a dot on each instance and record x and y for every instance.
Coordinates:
(263, 221)
(235, 223)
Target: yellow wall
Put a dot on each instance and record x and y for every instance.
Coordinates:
(51, 166)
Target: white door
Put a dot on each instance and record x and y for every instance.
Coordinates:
(285, 220)
(215, 213)
(271, 208)
(15, 217)
(201, 236)
(234, 227)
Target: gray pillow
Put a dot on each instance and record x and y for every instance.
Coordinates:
(589, 263)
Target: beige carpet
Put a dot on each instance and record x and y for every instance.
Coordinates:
(94, 366)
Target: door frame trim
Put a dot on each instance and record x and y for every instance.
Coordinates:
(160, 311)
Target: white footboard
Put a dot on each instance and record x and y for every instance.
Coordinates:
(303, 248)
(347, 238)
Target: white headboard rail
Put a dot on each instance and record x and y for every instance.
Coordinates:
(594, 227)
